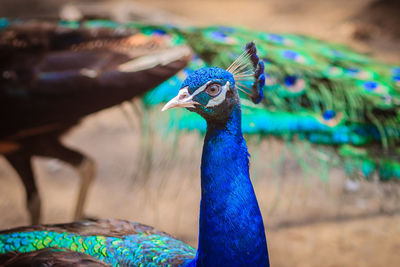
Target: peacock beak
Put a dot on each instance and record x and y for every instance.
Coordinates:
(183, 99)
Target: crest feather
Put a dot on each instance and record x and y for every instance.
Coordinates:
(248, 72)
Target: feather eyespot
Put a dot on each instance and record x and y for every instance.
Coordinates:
(213, 89)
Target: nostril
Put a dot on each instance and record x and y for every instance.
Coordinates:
(182, 96)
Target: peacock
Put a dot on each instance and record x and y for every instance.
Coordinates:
(53, 75)
(231, 230)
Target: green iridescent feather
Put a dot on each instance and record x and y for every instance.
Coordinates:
(139, 245)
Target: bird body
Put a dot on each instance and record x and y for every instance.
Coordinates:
(231, 231)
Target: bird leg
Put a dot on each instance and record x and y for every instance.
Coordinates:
(87, 172)
(21, 162)
(85, 166)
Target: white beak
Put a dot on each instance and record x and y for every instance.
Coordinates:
(183, 99)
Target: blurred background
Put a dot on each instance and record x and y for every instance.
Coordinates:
(314, 215)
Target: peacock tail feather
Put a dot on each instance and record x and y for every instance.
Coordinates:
(315, 91)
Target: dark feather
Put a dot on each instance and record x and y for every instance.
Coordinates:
(100, 227)
(53, 74)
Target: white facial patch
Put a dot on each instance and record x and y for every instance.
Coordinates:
(220, 98)
(200, 89)
(184, 95)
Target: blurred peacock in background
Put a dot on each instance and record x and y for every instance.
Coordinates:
(231, 229)
(52, 76)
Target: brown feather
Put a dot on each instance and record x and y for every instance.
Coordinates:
(49, 257)
(100, 227)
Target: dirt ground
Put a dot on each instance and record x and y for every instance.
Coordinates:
(312, 216)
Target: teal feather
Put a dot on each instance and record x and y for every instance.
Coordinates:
(4, 23)
(131, 250)
(141, 246)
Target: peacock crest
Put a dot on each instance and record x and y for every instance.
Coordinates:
(248, 72)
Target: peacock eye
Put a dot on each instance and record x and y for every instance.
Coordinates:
(213, 89)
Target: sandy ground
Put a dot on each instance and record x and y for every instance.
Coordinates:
(311, 219)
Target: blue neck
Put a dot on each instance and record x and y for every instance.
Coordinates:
(231, 226)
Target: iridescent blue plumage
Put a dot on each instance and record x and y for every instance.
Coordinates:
(231, 231)
(231, 227)
(203, 75)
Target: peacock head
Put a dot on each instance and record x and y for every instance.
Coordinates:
(212, 92)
